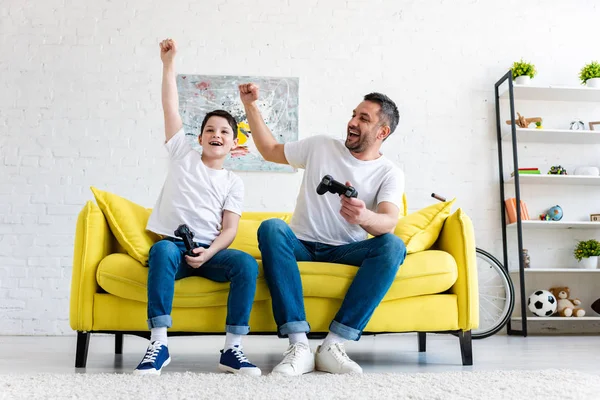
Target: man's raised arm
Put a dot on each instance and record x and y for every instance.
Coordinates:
(266, 144)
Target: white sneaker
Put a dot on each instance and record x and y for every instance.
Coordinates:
(334, 359)
(297, 360)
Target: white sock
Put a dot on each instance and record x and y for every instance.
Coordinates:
(331, 339)
(298, 337)
(231, 340)
(159, 334)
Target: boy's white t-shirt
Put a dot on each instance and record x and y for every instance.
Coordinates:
(317, 217)
(194, 194)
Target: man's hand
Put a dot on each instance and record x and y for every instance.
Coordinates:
(354, 210)
(248, 93)
(168, 49)
(203, 256)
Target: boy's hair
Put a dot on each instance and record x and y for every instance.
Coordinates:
(223, 114)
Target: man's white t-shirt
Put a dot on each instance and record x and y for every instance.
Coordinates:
(317, 217)
(194, 194)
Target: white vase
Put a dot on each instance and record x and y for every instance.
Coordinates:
(589, 263)
(593, 83)
(523, 80)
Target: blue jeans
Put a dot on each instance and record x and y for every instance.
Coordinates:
(167, 264)
(378, 260)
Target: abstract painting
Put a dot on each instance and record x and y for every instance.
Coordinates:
(278, 104)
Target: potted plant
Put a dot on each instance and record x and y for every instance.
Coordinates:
(587, 252)
(590, 75)
(523, 72)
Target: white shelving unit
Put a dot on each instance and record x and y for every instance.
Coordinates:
(525, 135)
(557, 184)
(578, 180)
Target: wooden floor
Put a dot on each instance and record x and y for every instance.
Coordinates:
(376, 354)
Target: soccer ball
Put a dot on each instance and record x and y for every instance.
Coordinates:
(542, 303)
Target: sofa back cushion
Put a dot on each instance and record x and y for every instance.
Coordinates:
(420, 230)
(127, 221)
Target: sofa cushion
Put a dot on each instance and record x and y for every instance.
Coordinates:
(427, 272)
(420, 230)
(247, 234)
(127, 222)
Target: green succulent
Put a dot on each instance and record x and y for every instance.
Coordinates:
(589, 71)
(521, 68)
(587, 248)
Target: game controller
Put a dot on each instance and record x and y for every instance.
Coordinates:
(328, 184)
(184, 232)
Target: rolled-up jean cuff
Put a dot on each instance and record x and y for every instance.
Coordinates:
(344, 331)
(294, 327)
(237, 329)
(162, 321)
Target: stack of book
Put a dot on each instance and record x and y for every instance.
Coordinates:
(511, 210)
(527, 171)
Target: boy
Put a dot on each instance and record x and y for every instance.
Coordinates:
(200, 193)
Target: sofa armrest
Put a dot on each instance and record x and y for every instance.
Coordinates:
(93, 242)
(458, 239)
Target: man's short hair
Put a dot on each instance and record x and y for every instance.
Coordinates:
(389, 112)
(224, 114)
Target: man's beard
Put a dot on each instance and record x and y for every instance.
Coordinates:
(359, 146)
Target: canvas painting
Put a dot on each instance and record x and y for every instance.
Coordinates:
(278, 103)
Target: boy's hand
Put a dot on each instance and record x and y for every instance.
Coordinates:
(248, 93)
(202, 257)
(168, 49)
(353, 210)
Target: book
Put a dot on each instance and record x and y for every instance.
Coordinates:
(511, 210)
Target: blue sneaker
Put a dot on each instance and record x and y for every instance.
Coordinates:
(156, 358)
(233, 360)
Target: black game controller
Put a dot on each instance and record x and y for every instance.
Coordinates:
(183, 232)
(328, 184)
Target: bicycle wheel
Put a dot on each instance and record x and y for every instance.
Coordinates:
(496, 295)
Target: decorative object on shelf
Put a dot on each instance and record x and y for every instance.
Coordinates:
(523, 122)
(587, 252)
(596, 306)
(566, 307)
(595, 217)
(511, 210)
(577, 125)
(542, 303)
(557, 170)
(538, 125)
(526, 258)
(587, 170)
(593, 124)
(527, 171)
(590, 75)
(523, 72)
(553, 214)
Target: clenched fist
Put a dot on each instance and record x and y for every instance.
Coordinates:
(248, 93)
(168, 48)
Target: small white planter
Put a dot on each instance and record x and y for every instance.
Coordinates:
(593, 83)
(589, 263)
(523, 80)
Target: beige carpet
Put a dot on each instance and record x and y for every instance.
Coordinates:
(505, 385)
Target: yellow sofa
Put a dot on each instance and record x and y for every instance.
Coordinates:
(435, 289)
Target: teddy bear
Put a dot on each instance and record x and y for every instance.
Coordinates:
(566, 307)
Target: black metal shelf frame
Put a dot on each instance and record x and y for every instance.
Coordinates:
(508, 78)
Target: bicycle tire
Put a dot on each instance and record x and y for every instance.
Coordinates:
(505, 277)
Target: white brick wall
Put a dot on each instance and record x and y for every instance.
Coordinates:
(80, 104)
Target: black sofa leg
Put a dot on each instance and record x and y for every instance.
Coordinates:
(422, 342)
(466, 347)
(83, 343)
(118, 343)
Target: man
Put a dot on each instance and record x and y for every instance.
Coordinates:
(331, 229)
(200, 193)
